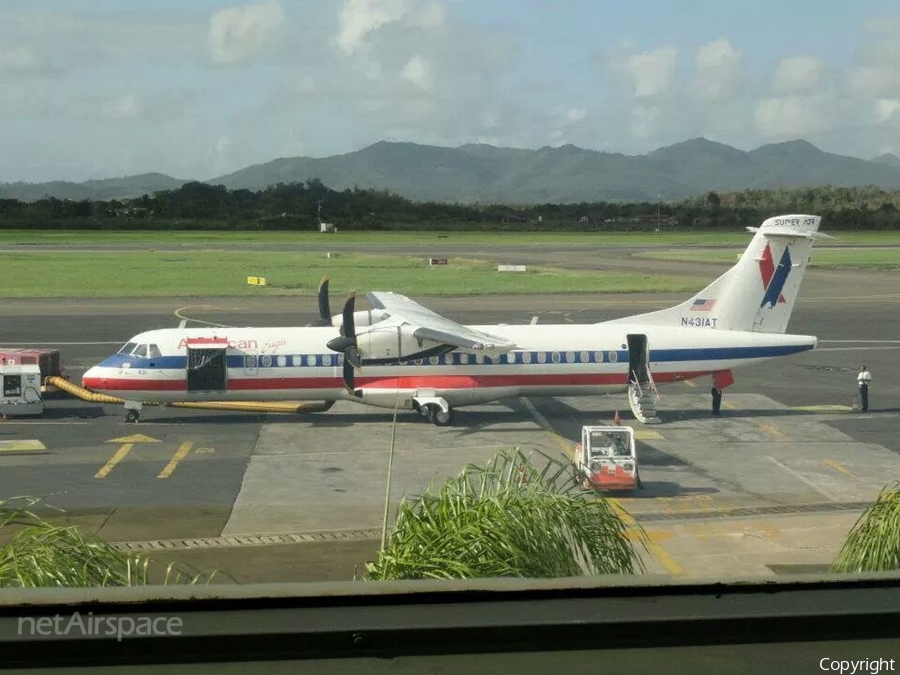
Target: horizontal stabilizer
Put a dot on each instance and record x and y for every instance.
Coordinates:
(793, 234)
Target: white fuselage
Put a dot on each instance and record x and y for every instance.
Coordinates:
(267, 364)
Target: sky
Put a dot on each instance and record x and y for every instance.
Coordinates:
(105, 88)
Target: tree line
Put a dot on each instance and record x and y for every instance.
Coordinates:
(302, 205)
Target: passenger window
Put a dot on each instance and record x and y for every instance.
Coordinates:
(526, 357)
(326, 359)
(298, 360)
(282, 361)
(266, 361)
(250, 362)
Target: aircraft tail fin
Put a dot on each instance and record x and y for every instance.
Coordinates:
(759, 292)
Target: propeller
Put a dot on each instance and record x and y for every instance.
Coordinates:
(324, 306)
(346, 343)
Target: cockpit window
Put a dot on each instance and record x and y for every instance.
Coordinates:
(127, 349)
(141, 352)
(155, 353)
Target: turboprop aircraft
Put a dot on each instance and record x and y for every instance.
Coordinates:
(402, 355)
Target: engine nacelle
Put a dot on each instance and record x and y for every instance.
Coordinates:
(361, 319)
(389, 343)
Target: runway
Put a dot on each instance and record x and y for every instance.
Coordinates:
(273, 497)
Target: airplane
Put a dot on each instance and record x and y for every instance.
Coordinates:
(401, 355)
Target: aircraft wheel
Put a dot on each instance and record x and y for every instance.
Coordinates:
(425, 411)
(441, 418)
(132, 416)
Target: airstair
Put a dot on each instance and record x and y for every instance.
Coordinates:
(642, 393)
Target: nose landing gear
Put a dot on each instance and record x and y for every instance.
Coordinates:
(132, 412)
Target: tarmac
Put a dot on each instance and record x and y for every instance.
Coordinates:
(770, 487)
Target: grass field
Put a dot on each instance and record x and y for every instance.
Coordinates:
(224, 274)
(228, 238)
(876, 258)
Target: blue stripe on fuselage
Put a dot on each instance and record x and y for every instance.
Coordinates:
(237, 361)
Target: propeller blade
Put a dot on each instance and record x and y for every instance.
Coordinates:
(349, 326)
(349, 379)
(324, 305)
(351, 355)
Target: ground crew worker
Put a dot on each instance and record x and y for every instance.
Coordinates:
(863, 380)
(716, 400)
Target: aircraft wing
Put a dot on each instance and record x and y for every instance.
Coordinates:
(428, 325)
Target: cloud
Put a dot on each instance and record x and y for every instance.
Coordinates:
(237, 34)
(17, 59)
(885, 108)
(718, 71)
(644, 121)
(418, 71)
(792, 117)
(652, 71)
(359, 18)
(799, 74)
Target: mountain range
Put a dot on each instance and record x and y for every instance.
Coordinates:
(488, 174)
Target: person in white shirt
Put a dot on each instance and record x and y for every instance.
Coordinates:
(863, 380)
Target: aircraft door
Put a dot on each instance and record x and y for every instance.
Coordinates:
(638, 359)
(251, 364)
(207, 369)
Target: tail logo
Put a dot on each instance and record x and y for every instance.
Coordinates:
(773, 278)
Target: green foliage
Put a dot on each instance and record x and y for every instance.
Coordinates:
(41, 554)
(295, 207)
(507, 519)
(873, 544)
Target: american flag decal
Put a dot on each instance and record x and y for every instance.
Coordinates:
(703, 305)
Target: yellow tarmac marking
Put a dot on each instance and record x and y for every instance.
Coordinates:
(690, 383)
(824, 408)
(22, 446)
(769, 429)
(121, 453)
(135, 438)
(645, 435)
(178, 314)
(567, 446)
(655, 548)
(728, 404)
(835, 465)
(179, 455)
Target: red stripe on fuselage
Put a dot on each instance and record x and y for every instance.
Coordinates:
(409, 382)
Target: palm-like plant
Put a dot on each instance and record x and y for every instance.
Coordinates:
(41, 554)
(873, 544)
(507, 519)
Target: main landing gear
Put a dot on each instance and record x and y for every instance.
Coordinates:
(435, 410)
